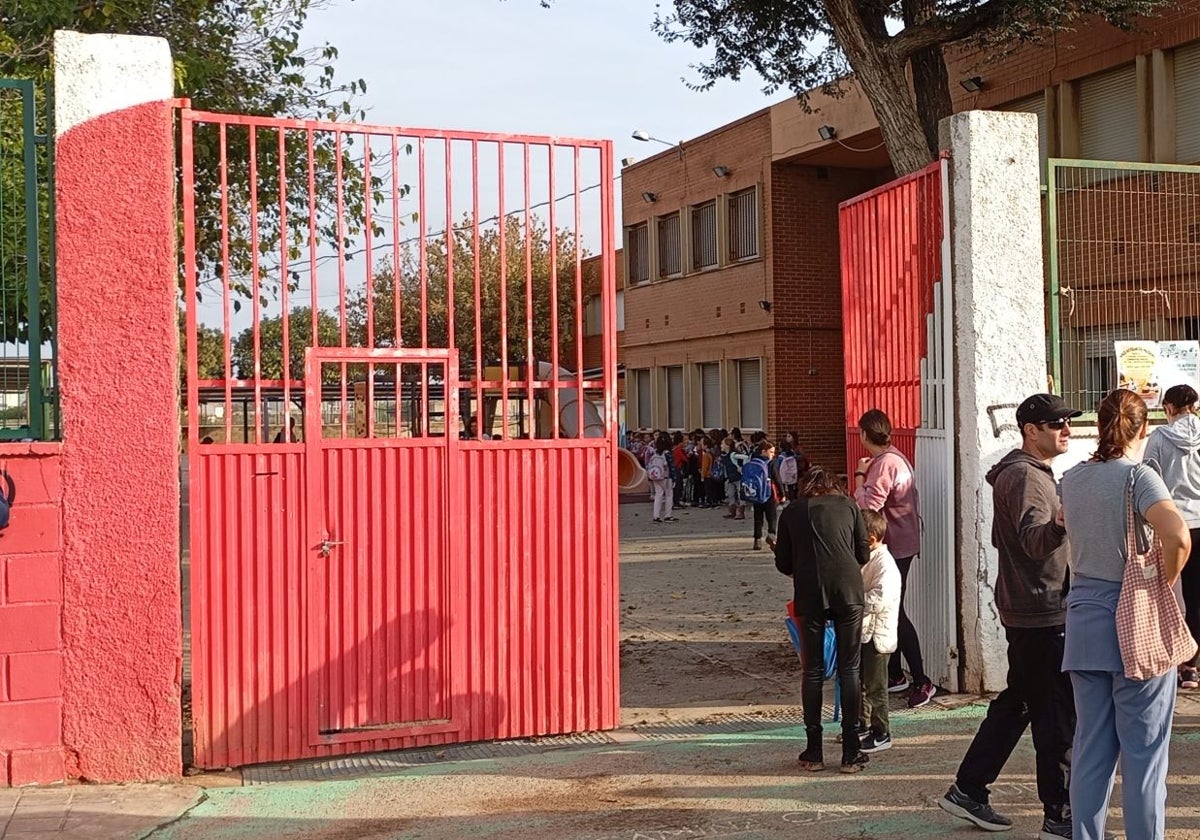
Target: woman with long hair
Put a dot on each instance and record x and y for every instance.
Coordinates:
(1117, 717)
(1175, 447)
(823, 546)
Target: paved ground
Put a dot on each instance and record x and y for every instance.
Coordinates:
(701, 636)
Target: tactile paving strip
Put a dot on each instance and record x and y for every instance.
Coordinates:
(373, 764)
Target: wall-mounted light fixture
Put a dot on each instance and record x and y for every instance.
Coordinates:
(649, 197)
(972, 85)
(721, 171)
(764, 305)
(827, 132)
(629, 161)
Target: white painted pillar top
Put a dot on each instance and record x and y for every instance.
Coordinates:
(101, 74)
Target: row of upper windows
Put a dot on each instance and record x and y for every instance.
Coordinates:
(716, 232)
(1103, 114)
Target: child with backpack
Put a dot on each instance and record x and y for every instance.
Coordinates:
(660, 472)
(731, 464)
(790, 464)
(757, 489)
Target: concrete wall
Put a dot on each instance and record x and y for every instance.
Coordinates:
(999, 344)
(90, 625)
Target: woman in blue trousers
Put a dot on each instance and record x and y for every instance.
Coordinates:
(1119, 719)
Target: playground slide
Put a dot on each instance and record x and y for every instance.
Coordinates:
(631, 477)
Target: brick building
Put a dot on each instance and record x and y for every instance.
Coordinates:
(733, 299)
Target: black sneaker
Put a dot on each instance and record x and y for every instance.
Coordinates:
(1055, 829)
(863, 732)
(854, 763)
(876, 743)
(958, 804)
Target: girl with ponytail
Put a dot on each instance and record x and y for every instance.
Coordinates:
(1094, 507)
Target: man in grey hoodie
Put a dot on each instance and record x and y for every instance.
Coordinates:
(1176, 448)
(1031, 584)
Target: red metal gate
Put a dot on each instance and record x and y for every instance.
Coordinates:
(891, 240)
(385, 378)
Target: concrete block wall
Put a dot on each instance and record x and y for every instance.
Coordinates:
(31, 748)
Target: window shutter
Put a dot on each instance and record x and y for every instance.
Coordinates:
(675, 397)
(750, 393)
(1108, 115)
(642, 383)
(669, 247)
(1187, 104)
(710, 394)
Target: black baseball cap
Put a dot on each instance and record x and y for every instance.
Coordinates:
(1040, 408)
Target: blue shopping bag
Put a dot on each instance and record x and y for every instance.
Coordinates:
(830, 646)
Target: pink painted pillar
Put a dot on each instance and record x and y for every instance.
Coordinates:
(118, 349)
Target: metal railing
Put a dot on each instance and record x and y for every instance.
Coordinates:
(1123, 264)
(28, 386)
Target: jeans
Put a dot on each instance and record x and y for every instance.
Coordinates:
(847, 622)
(1038, 696)
(733, 492)
(1125, 720)
(769, 511)
(909, 645)
(874, 689)
(662, 491)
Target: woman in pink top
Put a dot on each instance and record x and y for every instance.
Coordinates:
(884, 481)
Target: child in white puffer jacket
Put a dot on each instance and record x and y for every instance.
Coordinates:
(881, 615)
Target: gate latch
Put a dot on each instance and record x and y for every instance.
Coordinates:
(327, 546)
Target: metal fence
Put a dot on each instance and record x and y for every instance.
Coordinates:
(28, 392)
(1123, 258)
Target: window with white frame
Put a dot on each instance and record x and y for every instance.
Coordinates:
(675, 407)
(710, 394)
(743, 224)
(593, 316)
(620, 310)
(641, 388)
(750, 393)
(637, 252)
(670, 247)
(704, 236)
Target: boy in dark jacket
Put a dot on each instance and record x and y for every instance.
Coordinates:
(1029, 536)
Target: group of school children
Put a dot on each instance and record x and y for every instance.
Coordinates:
(708, 470)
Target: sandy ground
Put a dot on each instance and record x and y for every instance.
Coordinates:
(701, 618)
(701, 633)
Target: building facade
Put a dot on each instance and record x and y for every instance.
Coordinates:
(733, 297)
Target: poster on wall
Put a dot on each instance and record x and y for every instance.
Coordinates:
(1148, 368)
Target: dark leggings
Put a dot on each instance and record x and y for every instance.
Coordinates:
(908, 644)
(1190, 577)
(847, 624)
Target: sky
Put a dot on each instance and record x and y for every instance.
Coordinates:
(582, 68)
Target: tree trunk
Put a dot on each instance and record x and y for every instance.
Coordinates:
(883, 81)
(930, 80)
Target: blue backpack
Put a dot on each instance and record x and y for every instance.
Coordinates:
(7, 499)
(718, 468)
(756, 484)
